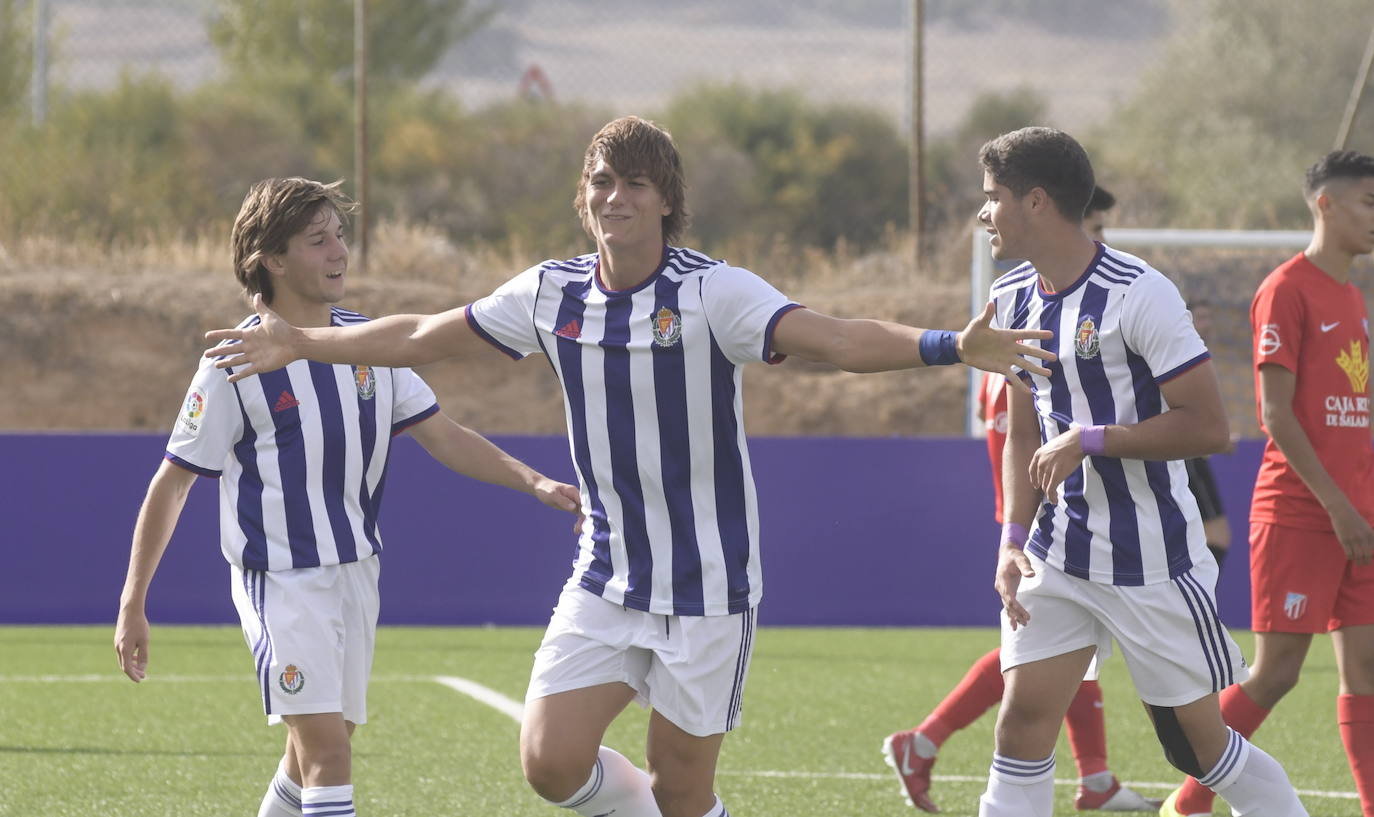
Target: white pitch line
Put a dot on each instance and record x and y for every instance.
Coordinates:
(515, 710)
(963, 778)
(496, 700)
(486, 695)
(113, 677)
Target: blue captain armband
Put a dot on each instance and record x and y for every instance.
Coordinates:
(939, 347)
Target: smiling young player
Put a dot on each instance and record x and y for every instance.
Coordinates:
(301, 456)
(1103, 543)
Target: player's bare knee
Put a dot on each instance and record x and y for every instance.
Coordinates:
(553, 777)
(1272, 682)
(682, 793)
(1178, 750)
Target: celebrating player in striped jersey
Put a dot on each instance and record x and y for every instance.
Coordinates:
(911, 752)
(301, 455)
(648, 342)
(1092, 464)
(1311, 541)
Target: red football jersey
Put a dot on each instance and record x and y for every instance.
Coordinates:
(1305, 321)
(992, 404)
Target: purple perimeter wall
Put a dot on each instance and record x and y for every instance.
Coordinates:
(867, 532)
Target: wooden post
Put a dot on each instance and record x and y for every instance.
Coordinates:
(1352, 107)
(360, 128)
(915, 165)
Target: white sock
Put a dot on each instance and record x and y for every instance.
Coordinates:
(718, 810)
(327, 801)
(1099, 782)
(283, 797)
(616, 785)
(1018, 788)
(1252, 782)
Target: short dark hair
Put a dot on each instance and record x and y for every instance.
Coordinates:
(1046, 158)
(1338, 164)
(272, 212)
(1102, 199)
(634, 146)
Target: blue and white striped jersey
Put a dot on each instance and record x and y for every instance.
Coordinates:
(651, 382)
(301, 454)
(1120, 331)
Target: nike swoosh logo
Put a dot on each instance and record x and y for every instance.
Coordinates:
(906, 761)
(1327, 327)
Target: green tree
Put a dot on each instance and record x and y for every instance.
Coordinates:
(405, 37)
(770, 162)
(1247, 94)
(954, 180)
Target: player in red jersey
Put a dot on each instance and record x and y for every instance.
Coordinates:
(912, 752)
(1310, 537)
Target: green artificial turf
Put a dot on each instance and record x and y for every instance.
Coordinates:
(77, 738)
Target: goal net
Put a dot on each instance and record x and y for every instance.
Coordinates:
(1216, 270)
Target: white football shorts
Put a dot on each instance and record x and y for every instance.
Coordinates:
(312, 631)
(690, 669)
(1175, 647)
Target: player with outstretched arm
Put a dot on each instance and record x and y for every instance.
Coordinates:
(648, 342)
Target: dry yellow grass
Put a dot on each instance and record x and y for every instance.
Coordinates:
(106, 338)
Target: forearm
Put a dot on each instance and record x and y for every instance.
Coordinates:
(396, 340)
(865, 345)
(1288, 435)
(1019, 497)
(466, 452)
(1177, 434)
(157, 518)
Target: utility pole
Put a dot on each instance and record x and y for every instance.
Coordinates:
(916, 180)
(1352, 107)
(360, 127)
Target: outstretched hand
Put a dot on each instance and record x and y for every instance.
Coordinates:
(257, 349)
(1003, 350)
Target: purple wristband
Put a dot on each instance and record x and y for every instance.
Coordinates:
(1015, 534)
(1094, 440)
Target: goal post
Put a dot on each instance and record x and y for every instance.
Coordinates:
(982, 271)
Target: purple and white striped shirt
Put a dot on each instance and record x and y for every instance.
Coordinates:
(1120, 331)
(301, 453)
(651, 382)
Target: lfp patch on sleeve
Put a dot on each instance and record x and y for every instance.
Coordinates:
(192, 411)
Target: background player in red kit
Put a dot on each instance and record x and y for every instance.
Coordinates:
(1310, 536)
(911, 753)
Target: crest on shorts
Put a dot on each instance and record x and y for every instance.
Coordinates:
(192, 410)
(366, 381)
(1085, 341)
(291, 680)
(1295, 606)
(667, 327)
